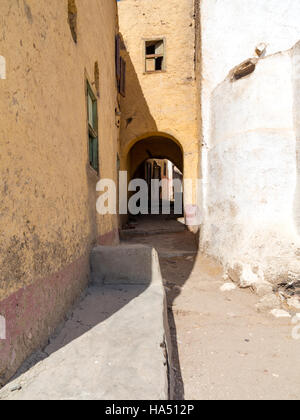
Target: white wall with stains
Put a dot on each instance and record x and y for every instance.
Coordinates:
(250, 166)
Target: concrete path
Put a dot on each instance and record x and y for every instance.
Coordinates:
(112, 347)
(222, 347)
(144, 226)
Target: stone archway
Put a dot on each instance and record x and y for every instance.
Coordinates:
(164, 152)
(158, 147)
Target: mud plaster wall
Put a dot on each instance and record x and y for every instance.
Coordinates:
(161, 102)
(48, 192)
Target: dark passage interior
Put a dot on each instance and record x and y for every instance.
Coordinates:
(159, 162)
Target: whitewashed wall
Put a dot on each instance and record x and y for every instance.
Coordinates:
(231, 29)
(250, 167)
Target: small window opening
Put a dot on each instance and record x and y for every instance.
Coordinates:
(150, 49)
(154, 56)
(159, 63)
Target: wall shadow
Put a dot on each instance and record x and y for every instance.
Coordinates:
(97, 305)
(177, 249)
(136, 116)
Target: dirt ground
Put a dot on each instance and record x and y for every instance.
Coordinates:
(222, 347)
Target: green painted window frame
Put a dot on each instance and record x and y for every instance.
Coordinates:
(92, 118)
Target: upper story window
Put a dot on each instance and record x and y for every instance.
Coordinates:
(154, 56)
(120, 68)
(92, 109)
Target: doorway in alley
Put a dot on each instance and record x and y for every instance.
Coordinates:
(158, 161)
(164, 186)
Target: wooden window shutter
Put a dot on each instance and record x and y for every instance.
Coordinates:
(118, 57)
(123, 77)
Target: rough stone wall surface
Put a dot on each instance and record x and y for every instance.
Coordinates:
(48, 194)
(249, 156)
(163, 102)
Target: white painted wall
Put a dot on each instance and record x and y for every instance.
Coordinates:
(231, 29)
(250, 169)
(296, 88)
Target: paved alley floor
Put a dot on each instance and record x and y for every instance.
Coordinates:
(222, 347)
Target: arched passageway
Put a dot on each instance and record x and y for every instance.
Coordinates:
(155, 147)
(158, 159)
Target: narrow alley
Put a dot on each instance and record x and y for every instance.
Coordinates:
(150, 201)
(222, 347)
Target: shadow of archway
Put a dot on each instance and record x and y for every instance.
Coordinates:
(177, 250)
